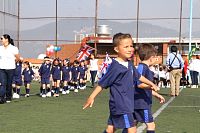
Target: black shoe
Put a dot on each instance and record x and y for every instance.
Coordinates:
(2, 100)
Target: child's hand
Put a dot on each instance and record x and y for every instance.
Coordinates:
(155, 88)
(161, 98)
(89, 103)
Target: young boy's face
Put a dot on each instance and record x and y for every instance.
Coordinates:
(153, 60)
(125, 48)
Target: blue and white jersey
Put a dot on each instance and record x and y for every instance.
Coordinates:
(56, 72)
(28, 74)
(66, 73)
(143, 97)
(75, 71)
(120, 79)
(82, 70)
(45, 70)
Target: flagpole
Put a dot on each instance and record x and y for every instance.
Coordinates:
(190, 36)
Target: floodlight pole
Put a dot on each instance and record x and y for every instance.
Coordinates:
(137, 28)
(56, 27)
(95, 27)
(190, 35)
(18, 24)
(180, 26)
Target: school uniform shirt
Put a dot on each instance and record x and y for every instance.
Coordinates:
(56, 72)
(82, 70)
(7, 56)
(65, 73)
(120, 79)
(75, 71)
(45, 70)
(28, 73)
(143, 97)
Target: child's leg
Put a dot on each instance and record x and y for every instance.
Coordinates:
(65, 86)
(18, 89)
(27, 86)
(110, 129)
(14, 88)
(151, 127)
(43, 89)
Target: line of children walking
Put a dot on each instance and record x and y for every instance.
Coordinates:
(64, 76)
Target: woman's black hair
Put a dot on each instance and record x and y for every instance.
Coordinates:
(10, 40)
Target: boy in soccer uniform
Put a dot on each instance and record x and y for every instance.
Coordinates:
(17, 80)
(56, 75)
(75, 75)
(143, 94)
(27, 75)
(44, 72)
(66, 75)
(82, 73)
(120, 78)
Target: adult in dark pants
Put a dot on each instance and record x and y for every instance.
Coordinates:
(8, 55)
(93, 68)
(194, 71)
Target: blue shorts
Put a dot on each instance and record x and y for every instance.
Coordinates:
(143, 115)
(121, 121)
(74, 79)
(17, 81)
(27, 82)
(45, 80)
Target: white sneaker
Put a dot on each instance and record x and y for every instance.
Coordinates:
(84, 87)
(27, 95)
(43, 95)
(61, 90)
(64, 92)
(67, 91)
(76, 90)
(71, 88)
(15, 95)
(48, 94)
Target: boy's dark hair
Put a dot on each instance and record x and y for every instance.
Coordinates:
(146, 50)
(174, 49)
(118, 37)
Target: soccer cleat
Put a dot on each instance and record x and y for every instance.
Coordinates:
(27, 95)
(76, 90)
(44, 95)
(48, 94)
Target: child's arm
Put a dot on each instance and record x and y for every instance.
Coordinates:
(158, 96)
(91, 98)
(148, 82)
(144, 86)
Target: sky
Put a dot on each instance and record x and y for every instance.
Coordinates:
(107, 9)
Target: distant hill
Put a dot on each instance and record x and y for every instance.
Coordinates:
(68, 28)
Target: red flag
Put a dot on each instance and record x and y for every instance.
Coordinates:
(84, 52)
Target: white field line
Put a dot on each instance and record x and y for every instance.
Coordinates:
(184, 106)
(141, 128)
